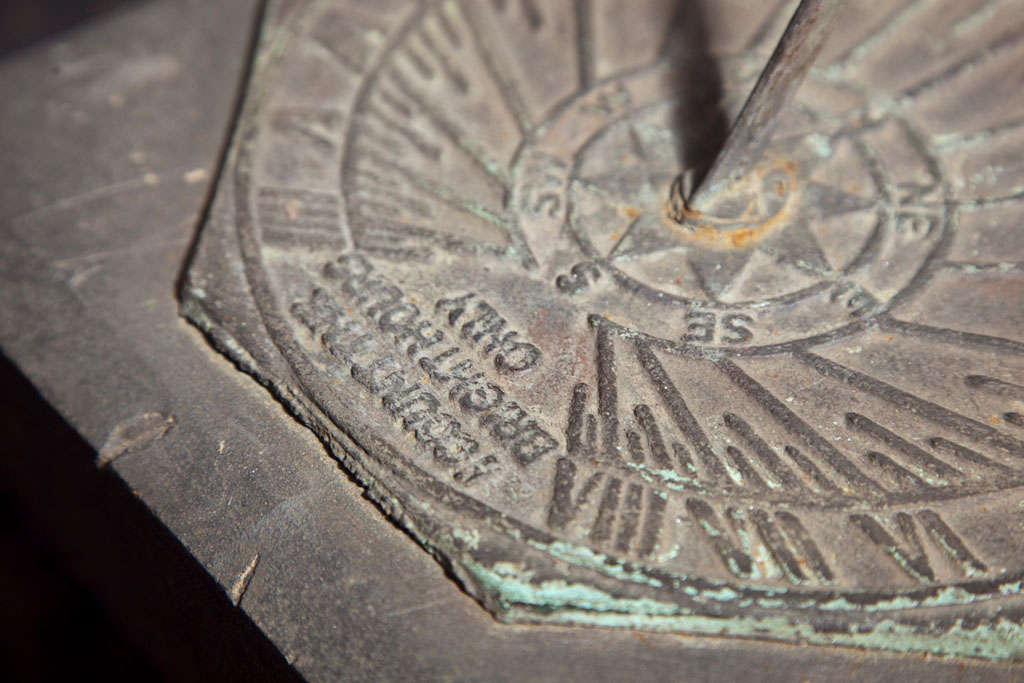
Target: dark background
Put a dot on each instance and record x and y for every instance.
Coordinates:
(23, 22)
(92, 586)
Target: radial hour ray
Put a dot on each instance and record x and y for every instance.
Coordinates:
(856, 480)
(511, 97)
(950, 336)
(980, 203)
(876, 34)
(997, 267)
(449, 131)
(906, 400)
(1008, 41)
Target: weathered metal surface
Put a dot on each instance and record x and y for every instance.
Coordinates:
(440, 239)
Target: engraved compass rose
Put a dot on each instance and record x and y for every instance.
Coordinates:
(685, 316)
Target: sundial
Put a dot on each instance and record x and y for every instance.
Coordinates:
(632, 324)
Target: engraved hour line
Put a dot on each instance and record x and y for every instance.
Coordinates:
(918, 406)
(652, 523)
(988, 202)
(811, 470)
(441, 192)
(1001, 268)
(490, 169)
(455, 76)
(298, 218)
(451, 34)
(431, 151)
(748, 476)
(654, 439)
(995, 386)
(947, 335)
(811, 554)
(345, 63)
(656, 444)
(955, 450)
(961, 140)
(976, 18)
(780, 550)
(717, 536)
(764, 453)
(913, 453)
(980, 56)
(449, 130)
(511, 96)
(618, 243)
(636, 447)
(581, 428)
(299, 122)
(901, 478)
(875, 36)
(861, 483)
(681, 414)
(689, 472)
(282, 238)
(391, 205)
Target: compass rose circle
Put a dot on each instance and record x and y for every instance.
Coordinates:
(823, 236)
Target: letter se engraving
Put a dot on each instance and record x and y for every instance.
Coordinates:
(705, 327)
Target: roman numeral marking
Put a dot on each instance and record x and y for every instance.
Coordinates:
(602, 529)
(632, 508)
(793, 550)
(718, 537)
(607, 393)
(621, 510)
(574, 433)
(652, 523)
(908, 551)
(778, 538)
(564, 507)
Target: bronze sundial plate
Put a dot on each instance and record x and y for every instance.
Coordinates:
(440, 240)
